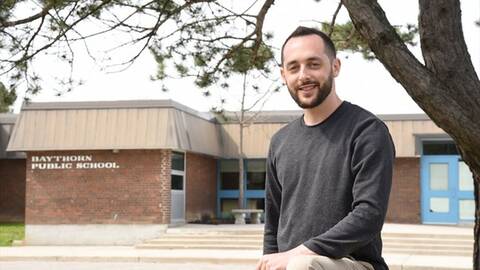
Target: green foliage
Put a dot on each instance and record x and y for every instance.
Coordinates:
(7, 98)
(202, 39)
(181, 69)
(199, 60)
(244, 59)
(160, 59)
(409, 35)
(205, 80)
(346, 38)
(6, 8)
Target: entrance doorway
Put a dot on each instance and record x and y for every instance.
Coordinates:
(447, 190)
(178, 188)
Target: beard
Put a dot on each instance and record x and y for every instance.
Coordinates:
(323, 90)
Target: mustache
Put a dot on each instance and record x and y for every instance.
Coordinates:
(305, 83)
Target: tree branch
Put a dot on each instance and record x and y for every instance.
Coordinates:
(32, 18)
(259, 27)
(444, 50)
(63, 32)
(332, 24)
(438, 98)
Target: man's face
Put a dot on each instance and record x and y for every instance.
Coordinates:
(308, 71)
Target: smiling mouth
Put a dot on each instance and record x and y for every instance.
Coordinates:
(307, 87)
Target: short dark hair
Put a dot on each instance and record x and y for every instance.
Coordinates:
(306, 31)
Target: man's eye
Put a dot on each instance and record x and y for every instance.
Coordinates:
(293, 68)
(315, 65)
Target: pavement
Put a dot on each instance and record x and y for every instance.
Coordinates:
(221, 258)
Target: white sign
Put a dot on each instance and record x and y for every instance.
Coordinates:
(70, 162)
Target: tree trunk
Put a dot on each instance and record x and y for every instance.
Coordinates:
(241, 178)
(476, 258)
(446, 87)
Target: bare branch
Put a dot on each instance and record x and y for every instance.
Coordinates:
(259, 27)
(62, 33)
(34, 35)
(258, 32)
(332, 24)
(32, 18)
(152, 33)
(119, 23)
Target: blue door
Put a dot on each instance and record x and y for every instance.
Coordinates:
(447, 190)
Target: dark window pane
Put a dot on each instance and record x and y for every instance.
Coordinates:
(229, 174)
(256, 203)
(229, 180)
(178, 162)
(177, 182)
(256, 172)
(256, 180)
(439, 148)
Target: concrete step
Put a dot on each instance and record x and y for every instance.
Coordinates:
(430, 252)
(416, 238)
(207, 236)
(429, 246)
(213, 230)
(179, 232)
(443, 242)
(258, 240)
(404, 249)
(446, 244)
(429, 236)
(387, 249)
(205, 241)
(198, 246)
(420, 240)
(386, 239)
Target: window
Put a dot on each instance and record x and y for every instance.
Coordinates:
(226, 205)
(177, 182)
(438, 176)
(178, 161)
(256, 172)
(229, 174)
(178, 171)
(439, 148)
(256, 203)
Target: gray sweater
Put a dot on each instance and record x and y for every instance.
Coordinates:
(328, 186)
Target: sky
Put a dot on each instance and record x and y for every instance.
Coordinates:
(365, 83)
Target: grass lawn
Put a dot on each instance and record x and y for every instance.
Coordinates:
(10, 232)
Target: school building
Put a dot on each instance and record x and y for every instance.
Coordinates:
(118, 172)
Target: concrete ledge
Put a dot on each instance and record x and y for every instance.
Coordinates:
(92, 234)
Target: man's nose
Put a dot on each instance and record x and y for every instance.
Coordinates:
(303, 74)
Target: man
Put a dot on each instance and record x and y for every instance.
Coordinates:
(328, 172)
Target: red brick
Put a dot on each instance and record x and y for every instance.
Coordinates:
(130, 194)
(12, 190)
(201, 187)
(404, 205)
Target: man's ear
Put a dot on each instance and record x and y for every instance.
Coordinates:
(336, 65)
(282, 74)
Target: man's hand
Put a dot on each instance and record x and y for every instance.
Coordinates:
(279, 261)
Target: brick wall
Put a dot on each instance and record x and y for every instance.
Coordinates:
(12, 190)
(404, 206)
(201, 186)
(138, 192)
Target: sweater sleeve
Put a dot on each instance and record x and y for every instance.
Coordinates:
(272, 207)
(372, 159)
